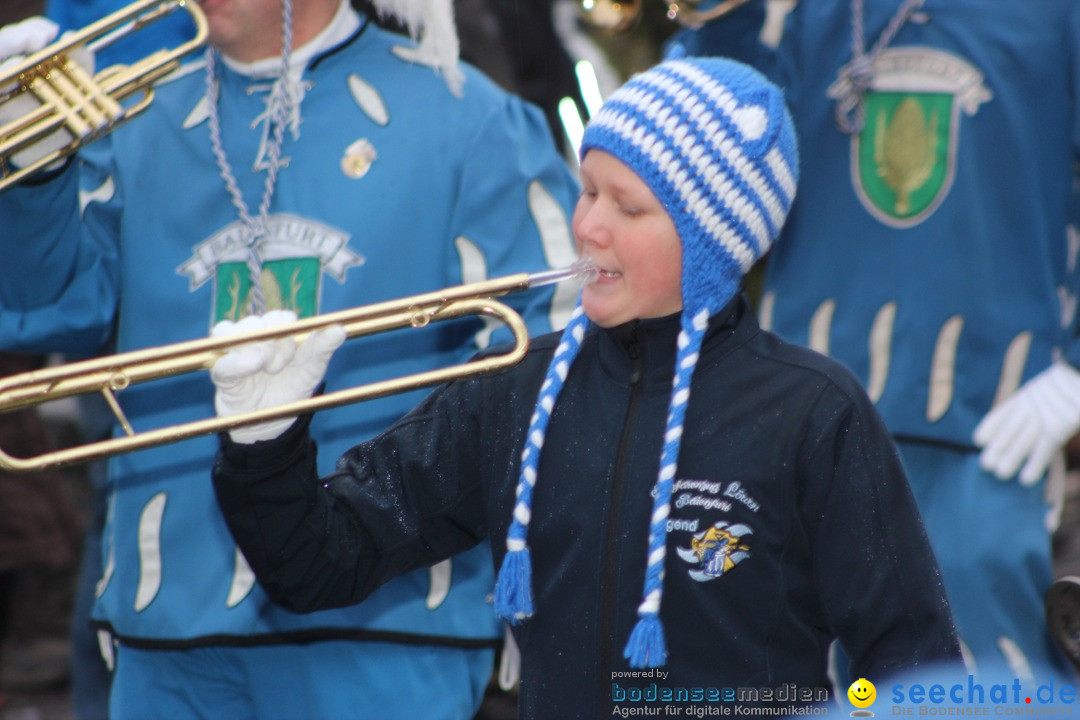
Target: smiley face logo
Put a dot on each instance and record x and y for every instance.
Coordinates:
(862, 694)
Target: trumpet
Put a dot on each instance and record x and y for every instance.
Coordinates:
(618, 15)
(63, 96)
(112, 374)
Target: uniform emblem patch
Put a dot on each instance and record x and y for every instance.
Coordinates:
(903, 160)
(295, 255)
(716, 550)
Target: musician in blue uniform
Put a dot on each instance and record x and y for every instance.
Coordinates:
(358, 166)
(930, 250)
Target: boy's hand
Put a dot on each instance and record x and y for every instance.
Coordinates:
(1032, 425)
(269, 373)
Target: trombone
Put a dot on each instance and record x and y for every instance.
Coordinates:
(62, 96)
(112, 374)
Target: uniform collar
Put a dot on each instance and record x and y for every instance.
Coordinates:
(341, 27)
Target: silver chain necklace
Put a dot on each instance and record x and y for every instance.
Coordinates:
(279, 111)
(858, 74)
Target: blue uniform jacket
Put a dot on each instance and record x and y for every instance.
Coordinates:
(393, 186)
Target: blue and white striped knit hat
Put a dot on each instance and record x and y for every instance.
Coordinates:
(713, 140)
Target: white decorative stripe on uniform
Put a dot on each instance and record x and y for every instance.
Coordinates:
(943, 369)
(821, 327)
(102, 194)
(1016, 659)
(242, 582)
(110, 558)
(968, 657)
(105, 647)
(1067, 300)
(510, 662)
(198, 115)
(765, 310)
(557, 243)
(150, 551)
(1012, 367)
(1072, 234)
(474, 269)
(881, 333)
(368, 99)
(440, 574)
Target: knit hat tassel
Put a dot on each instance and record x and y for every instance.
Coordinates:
(513, 588)
(646, 647)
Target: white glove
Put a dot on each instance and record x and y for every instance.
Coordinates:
(1032, 425)
(27, 36)
(16, 42)
(269, 373)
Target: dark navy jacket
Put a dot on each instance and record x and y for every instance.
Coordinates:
(784, 463)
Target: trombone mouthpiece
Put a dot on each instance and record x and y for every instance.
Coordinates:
(584, 271)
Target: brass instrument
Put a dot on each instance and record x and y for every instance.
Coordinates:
(619, 15)
(63, 95)
(112, 374)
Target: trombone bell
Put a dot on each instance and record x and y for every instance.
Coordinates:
(53, 93)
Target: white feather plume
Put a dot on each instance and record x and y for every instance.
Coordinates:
(431, 25)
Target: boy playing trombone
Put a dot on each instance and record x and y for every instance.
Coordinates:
(715, 530)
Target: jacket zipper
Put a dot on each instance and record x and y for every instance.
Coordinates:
(633, 348)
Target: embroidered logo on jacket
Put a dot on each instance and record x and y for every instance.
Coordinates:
(716, 550)
(294, 257)
(903, 161)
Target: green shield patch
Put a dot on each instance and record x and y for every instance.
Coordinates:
(287, 284)
(903, 154)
